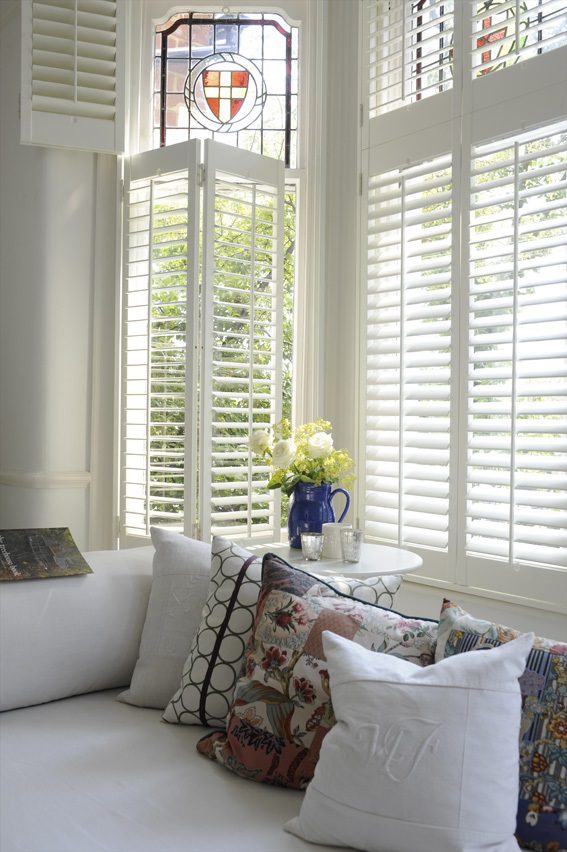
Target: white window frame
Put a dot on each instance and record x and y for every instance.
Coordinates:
(394, 139)
(308, 178)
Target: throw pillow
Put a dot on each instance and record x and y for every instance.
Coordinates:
(181, 572)
(282, 710)
(420, 758)
(542, 807)
(216, 656)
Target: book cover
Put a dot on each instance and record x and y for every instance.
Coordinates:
(33, 554)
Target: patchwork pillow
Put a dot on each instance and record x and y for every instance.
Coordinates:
(181, 573)
(282, 709)
(542, 807)
(420, 758)
(215, 659)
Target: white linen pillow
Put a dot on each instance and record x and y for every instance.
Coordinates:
(68, 635)
(420, 758)
(181, 574)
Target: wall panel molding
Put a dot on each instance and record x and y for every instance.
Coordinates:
(44, 479)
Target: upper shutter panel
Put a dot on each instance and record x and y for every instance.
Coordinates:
(517, 389)
(242, 332)
(73, 74)
(509, 31)
(410, 48)
(408, 355)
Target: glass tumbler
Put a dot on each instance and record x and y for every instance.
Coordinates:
(351, 541)
(312, 545)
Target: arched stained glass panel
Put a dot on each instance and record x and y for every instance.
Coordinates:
(230, 77)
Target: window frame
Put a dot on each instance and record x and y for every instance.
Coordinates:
(308, 177)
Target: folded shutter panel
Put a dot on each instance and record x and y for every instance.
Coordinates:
(511, 31)
(242, 333)
(160, 315)
(72, 91)
(410, 47)
(409, 355)
(517, 389)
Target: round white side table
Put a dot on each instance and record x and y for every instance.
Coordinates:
(375, 559)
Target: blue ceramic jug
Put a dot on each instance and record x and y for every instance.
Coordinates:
(311, 507)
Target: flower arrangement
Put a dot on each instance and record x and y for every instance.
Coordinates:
(304, 454)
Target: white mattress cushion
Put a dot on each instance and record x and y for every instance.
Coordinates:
(420, 758)
(90, 774)
(181, 573)
(68, 635)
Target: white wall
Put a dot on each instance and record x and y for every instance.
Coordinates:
(52, 473)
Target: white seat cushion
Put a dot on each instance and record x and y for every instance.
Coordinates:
(90, 774)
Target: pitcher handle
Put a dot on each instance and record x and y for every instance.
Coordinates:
(347, 504)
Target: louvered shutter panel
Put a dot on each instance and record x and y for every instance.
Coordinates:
(410, 47)
(73, 54)
(408, 367)
(511, 31)
(517, 388)
(160, 341)
(242, 333)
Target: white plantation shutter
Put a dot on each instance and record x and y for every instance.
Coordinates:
(508, 31)
(410, 51)
(72, 91)
(409, 355)
(517, 388)
(241, 386)
(160, 341)
(465, 418)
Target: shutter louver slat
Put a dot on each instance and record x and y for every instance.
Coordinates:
(408, 396)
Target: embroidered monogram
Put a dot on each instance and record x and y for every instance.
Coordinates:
(399, 748)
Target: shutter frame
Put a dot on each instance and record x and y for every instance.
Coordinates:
(238, 163)
(137, 489)
(93, 119)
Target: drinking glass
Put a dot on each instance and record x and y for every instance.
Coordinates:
(351, 541)
(312, 545)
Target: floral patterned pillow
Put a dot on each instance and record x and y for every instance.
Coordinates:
(282, 708)
(542, 808)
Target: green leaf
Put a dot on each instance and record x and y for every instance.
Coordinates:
(276, 480)
(289, 482)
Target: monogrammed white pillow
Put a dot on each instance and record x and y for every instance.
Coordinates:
(420, 758)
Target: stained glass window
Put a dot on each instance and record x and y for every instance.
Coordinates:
(229, 77)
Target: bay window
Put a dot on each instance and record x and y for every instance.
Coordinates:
(465, 321)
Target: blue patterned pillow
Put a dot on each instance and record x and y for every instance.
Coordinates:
(542, 807)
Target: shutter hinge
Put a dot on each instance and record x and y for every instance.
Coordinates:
(360, 184)
(361, 115)
(121, 189)
(202, 175)
(116, 528)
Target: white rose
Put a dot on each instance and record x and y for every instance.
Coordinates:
(283, 454)
(320, 445)
(259, 441)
